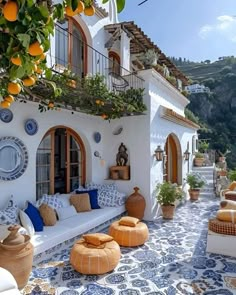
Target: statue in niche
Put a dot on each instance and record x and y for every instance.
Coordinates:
(122, 156)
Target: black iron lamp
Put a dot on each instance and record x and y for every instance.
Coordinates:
(186, 155)
(159, 153)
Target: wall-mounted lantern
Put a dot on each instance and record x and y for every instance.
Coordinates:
(159, 153)
(186, 155)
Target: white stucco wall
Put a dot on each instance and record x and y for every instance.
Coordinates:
(159, 93)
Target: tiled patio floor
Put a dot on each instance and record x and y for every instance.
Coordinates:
(172, 262)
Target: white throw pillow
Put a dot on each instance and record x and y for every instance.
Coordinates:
(66, 212)
(65, 199)
(51, 200)
(27, 223)
(9, 215)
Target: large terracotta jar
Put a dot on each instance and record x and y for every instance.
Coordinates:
(135, 204)
(16, 255)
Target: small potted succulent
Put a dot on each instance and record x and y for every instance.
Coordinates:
(167, 194)
(195, 181)
(149, 58)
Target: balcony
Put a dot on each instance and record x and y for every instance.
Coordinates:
(90, 82)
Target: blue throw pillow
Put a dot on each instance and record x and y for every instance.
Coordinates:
(34, 216)
(93, 197)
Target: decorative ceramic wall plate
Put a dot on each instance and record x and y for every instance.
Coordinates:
(31, 126)
(13, 158)
(118, 130)
(6, 115)
(97, 137)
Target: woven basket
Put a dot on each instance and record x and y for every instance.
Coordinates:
(222, 227)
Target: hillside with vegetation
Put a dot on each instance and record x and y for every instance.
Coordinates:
(216, 111)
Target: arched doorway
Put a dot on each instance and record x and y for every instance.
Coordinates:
(60, 162)
(173, 160)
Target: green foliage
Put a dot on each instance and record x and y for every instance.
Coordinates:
(190, 115)
(90, 95)
(168, 193)
(195, 180)
(226, 70)
(232, 175)
(199, 155)
(120, 4)
(203, 146)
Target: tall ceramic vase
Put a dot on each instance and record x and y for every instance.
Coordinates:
(135, 204)
(16, 255)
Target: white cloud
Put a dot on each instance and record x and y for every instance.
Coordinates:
(204, 31)
(225, 26)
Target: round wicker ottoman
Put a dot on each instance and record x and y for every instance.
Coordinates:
(129, 236)
(91, 258)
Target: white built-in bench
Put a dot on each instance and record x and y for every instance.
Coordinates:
(73, 227)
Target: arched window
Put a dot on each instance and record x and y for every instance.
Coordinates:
(71, 47)
(60, 162)
(114, 62)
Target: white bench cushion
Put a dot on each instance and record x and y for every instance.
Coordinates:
(72, 227)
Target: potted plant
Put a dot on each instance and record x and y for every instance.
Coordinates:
(232, 175)
(203, 146)
(167, 194)
(199, 159)
(149, 58)
(195, 182)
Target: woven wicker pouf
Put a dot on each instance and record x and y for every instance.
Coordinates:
(222, 227)
(129, 235)
(95, 255)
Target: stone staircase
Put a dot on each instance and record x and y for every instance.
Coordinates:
(207, 172)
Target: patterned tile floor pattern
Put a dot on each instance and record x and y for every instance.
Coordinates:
(172, 262)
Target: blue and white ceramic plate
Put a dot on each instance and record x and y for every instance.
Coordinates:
(13, 158)
(31, 126)
(97, 137)
(6, 115)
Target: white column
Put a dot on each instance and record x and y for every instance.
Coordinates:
(125, 52)
(113, 12)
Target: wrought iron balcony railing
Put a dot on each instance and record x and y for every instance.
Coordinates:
(70, 51)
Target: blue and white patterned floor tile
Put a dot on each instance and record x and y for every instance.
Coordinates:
(172, 262)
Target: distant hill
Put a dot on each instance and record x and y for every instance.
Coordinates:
(216, 110)
(200, 71)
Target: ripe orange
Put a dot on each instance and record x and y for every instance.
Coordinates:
(104, 116)
(89, 11)
(35, 68)
(42, 56)
(28, 81)
(39, 71)
(14, 88)
(9, 98)
(80, 7)
(35, 49)
(70, 12)
(51, 105)
(10, 11)
(5, 104)
(97, 101)
(16, 61)
(71, 83)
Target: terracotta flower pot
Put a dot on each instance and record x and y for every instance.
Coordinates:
(168, 211)
(198, 162)
(194, 194)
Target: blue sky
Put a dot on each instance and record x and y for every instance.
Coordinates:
(194, 29)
